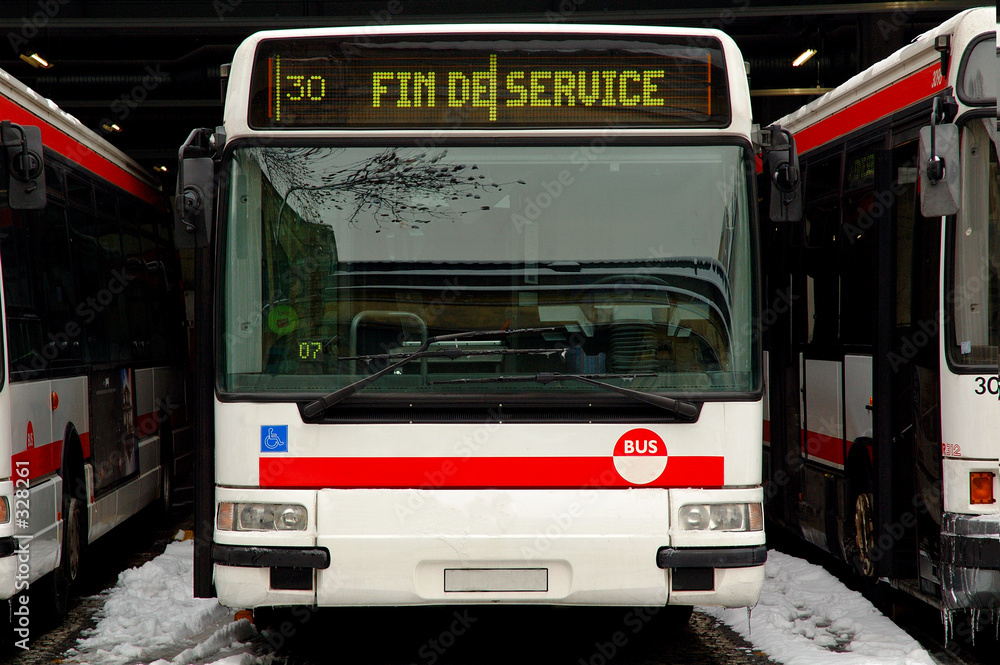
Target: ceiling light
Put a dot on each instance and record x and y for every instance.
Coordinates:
(808, 53)
(111, 127)
(36, 60)
(160, 168)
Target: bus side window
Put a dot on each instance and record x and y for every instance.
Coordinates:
(97, 252)
(50, 244)
(820, 269)
(138, 296)
(857, 268)
(24, 324)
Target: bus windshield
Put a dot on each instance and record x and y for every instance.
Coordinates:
(634, 262)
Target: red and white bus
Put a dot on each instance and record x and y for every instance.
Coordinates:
(882, 424)
(92, 392)
(486, 319)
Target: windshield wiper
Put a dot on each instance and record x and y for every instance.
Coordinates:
(320, 405)
(687, 410)
(457, 352)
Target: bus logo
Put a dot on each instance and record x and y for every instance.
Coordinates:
(274, 438)
(640, 456)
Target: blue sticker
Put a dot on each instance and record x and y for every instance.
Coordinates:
(274, 438)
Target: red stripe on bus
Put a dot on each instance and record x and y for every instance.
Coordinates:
(915, 87)
(43, 460)
(40, 460)
(85, 445)
(825, 447)
(56, 139)
(477, 472)
(767, 431)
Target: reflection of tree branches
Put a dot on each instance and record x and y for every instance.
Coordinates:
(385, 187)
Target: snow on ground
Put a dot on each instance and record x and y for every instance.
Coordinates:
(152, 616)
(807, 617)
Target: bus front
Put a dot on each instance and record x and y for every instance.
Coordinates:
(486, 320)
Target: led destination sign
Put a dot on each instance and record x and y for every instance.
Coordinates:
(555, 82)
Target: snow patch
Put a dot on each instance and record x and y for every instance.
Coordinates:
(152, 612)
(807, 617)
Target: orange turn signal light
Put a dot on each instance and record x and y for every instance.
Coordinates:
(226, 518)
(981, 487)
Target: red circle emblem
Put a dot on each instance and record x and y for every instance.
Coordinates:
(640, 456)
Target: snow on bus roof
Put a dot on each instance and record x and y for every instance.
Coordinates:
(915, 55)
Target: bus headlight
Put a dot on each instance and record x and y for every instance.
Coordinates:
(4, 510)
(262, 517)
(722, 517)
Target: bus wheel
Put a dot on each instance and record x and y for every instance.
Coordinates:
(166, 502)
(62, 578)
(864, 534)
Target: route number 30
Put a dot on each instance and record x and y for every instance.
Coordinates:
(312, 88)
(989, 385)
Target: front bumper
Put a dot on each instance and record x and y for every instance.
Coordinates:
(428, 547)
(970, 561)
(711, 557)
(271, 557)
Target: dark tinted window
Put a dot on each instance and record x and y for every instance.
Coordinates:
(823, 178)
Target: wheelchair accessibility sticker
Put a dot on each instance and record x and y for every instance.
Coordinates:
(274, 438)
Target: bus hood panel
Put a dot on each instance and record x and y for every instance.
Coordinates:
(270, 446)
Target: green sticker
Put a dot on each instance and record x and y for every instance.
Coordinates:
(283, 320)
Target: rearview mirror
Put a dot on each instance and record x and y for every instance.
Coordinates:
(24, 166)
(194, 204)
(781, 163)
(940, 170)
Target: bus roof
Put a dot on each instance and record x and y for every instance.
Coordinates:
(906, 76)
(67, 136)
(238, 92)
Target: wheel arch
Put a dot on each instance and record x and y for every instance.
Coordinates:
(72, 466)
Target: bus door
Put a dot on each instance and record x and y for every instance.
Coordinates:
(816, 333)
(835, 337)
(913, 365)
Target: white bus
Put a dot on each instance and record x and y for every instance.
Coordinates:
(485, 319)
(883, 423)
(92, 396)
